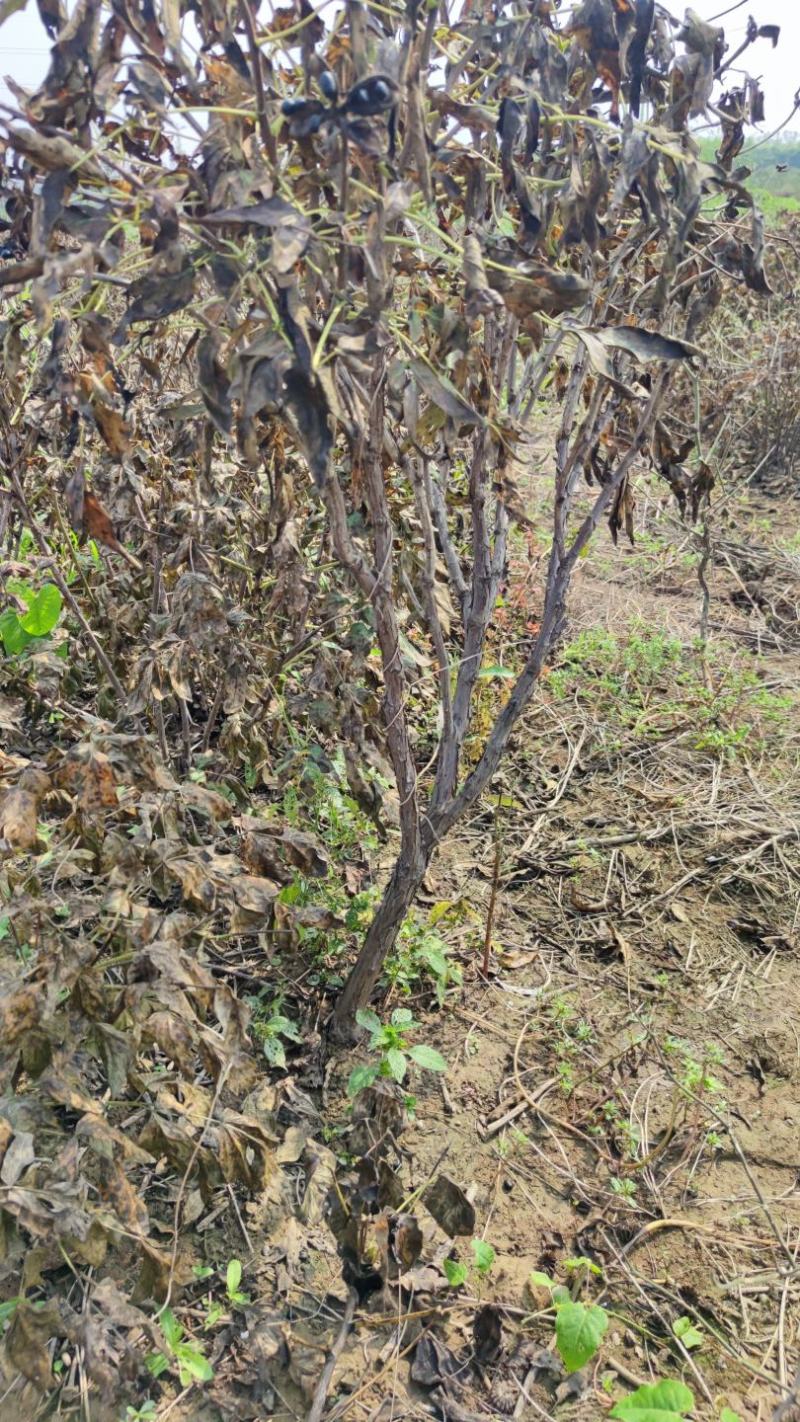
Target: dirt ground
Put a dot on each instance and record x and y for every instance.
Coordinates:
(624, 1086)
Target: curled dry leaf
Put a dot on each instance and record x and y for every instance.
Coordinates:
(19, 810)
(87, 774)
(449, 1205)
(98, 525)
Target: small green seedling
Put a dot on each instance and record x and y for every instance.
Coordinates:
(273, 1032)
(188, 1358)
(689, 1335)
(390, 1041)
(580, 1268)
(456, 1273)
(233, 1278)
(580, 1327)
(145, 1413)
(484, 1256)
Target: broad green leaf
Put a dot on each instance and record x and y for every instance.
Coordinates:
(455, 1272)
(43, 612)
(690, 1336)
(12, 632)
(435, 957)
(365, 1017)
(233, 1275)
(728, 1415)
(579, 1333)
(666, 1401)
(484, 1255)
(360, 1078)
(402, 1017)
(427, 1057)
(274, 1051)
(285, 1026)
(396, 1062)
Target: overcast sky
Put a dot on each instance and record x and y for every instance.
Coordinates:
(24, 48)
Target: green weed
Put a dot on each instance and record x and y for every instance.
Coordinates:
(389, 1042)
(650, 685)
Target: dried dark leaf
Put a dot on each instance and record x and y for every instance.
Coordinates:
(646, 345)
(770, 32)
(98, 525)
(444, 395)
(449, 1206)
(153, 297)
(434, 1364)
(487, 1333)
(214, 384)
(27, 1339)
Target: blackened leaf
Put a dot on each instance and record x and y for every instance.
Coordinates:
(449, 1206)
(308, 406)
(487, 1332)
(593, 28)
(647, 345)
(53, 14)
(622, 511)
(600, 361)
(531, 287)
(509, 122)
(434, 1363)
(367, 136)
(770, 32)
(480, 297)
(47, 208)
(272, 212)
(532, 120)
(753, 257)
(226, 274)
(53, 370)
(444, 394)
(368, 97)
(156, 296)
(214, 384)
(635, 57)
